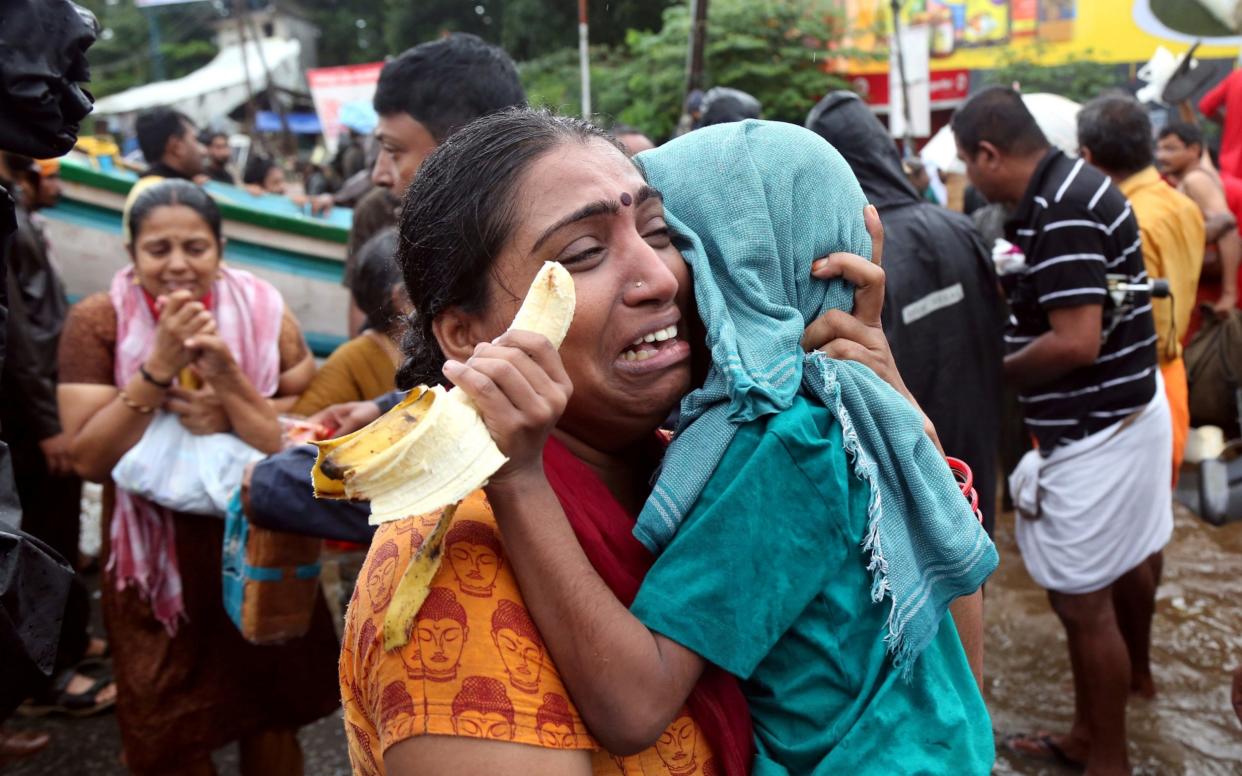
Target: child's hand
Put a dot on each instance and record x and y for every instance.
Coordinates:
(859, 336)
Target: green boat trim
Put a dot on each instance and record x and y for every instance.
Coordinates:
(77, 173)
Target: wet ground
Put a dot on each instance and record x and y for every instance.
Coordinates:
(92, 747)
(1189, 728)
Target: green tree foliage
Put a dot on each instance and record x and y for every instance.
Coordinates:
(533, 28)
(121, 57)
(351, 31)
(355, 31)
(525, 28)
(407, 23)
(774, 49)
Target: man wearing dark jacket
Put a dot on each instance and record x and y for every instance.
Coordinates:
(48, 490)
(31, 423)
(942, 309)
(41, 105)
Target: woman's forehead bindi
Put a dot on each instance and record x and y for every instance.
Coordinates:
(626, 199)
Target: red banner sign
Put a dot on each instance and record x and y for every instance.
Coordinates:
(334, 87)
(948, 87)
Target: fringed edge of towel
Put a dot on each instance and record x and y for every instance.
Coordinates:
(903, 652)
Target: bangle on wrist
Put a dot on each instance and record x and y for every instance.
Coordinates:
(142, 369)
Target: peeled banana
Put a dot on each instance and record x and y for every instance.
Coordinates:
(433, 448)
(548, 308)
(431, 451)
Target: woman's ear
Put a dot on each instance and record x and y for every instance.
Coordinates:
(457, 332)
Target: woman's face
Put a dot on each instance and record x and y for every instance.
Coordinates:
(274, 180)
(175, 249)
(587, 207)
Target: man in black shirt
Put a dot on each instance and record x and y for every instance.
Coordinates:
(1094, 499)
(170, 144)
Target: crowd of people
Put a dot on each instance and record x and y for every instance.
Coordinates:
(727, 538)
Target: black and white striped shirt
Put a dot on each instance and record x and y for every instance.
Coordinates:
(1075, 228)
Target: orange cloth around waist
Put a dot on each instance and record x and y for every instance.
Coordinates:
(1178, 392)
(476, 665)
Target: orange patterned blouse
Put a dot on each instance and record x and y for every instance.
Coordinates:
(476, 665)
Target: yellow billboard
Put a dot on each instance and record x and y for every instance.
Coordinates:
(974, 34)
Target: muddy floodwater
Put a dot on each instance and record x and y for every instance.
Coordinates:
(1190, 727)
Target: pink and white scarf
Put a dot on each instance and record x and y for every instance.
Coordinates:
(248, 314)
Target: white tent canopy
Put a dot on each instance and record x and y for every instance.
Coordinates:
(218, 87)
(1057, 116)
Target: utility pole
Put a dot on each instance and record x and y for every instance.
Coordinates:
(290, 145)
(157, 55)
(584, 63)
(907, 137)
(698, 40)
(239, 8)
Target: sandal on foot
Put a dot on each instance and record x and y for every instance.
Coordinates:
(1042, 746)
(58, 700)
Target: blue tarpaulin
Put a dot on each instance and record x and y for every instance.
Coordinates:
(299, 123)
(359, 116)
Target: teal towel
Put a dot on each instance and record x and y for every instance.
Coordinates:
(753, 204)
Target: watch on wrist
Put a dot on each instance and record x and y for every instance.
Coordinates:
(142, 369)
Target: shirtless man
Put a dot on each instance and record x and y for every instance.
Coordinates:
(1179, 153)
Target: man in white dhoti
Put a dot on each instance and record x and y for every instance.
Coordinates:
(1094, 498)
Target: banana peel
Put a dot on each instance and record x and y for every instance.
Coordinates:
(415, 584)
(429, 452)
(338, 456)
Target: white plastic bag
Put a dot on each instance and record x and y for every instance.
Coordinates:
(182, 471)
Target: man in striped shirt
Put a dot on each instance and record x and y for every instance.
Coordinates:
(1093, 499)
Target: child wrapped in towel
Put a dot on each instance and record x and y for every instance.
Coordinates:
(810, 537)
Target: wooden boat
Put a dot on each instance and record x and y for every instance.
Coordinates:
(303, 256)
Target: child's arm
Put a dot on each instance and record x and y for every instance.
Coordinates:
(968, 617)
(627, 681)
